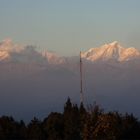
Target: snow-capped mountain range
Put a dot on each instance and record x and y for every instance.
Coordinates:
(18, 53)
(113, 51)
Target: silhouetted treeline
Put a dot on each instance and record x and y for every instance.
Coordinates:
(75, 123)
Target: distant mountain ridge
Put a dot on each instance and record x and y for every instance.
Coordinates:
(112, 51)
(17, 53)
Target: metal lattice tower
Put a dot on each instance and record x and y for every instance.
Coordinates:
(81, 80)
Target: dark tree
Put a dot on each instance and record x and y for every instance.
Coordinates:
(131, 127)
(35, 130)
(71, 122)
(75, 123)
(53, 126)
(91, 121)
(8, 128)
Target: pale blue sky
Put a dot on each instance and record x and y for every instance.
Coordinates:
(68, 26)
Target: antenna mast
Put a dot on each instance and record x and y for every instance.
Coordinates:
(81, 80)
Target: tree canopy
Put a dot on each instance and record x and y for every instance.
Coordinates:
(75, 123)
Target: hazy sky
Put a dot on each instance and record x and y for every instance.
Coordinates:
(68, 26)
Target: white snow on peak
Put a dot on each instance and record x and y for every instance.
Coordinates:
(111, 51)
(114, 44)
(10, 51)
(8, 46)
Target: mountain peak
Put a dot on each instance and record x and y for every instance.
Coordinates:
(111, 51)
(114, 43)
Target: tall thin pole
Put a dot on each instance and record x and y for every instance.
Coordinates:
(81, 80)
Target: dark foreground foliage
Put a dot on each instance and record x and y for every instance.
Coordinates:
(75, 123)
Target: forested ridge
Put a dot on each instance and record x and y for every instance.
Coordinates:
(74, 123)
